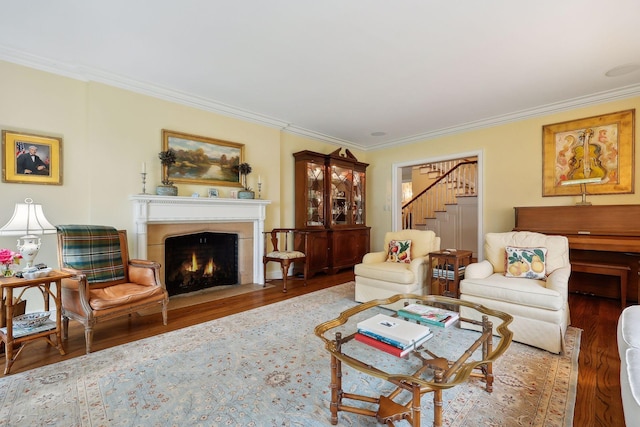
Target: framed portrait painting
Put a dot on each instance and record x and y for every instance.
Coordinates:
(595, 154)
(202, 160)
(31, 159)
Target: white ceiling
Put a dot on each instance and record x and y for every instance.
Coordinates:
(340, 70)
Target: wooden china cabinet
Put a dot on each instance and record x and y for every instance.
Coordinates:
(330, 205)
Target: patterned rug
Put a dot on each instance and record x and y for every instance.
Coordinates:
(265, 367)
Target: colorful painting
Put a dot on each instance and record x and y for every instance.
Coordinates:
(596, 152)
(201, 160)
(588, 153)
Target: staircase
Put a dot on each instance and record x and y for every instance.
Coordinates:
(448, 206)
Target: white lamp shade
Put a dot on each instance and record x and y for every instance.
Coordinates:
(28, 218)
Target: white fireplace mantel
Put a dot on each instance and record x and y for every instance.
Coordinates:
(152, 209)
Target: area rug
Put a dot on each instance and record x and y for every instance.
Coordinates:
(266, 367)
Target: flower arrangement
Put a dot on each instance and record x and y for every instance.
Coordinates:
(9, 261)
(245, 169)
(167, 158)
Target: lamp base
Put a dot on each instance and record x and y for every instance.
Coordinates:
(29, 249)
(583, 188)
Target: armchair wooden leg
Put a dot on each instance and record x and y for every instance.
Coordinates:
(165, 307)
(88, 337)
(285, 274)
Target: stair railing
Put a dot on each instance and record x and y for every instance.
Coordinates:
(460, 179)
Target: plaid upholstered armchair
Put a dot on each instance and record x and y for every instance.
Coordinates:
(106, 284)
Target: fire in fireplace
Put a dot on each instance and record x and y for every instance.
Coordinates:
(202, 260)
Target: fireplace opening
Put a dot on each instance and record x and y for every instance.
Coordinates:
(199, 261)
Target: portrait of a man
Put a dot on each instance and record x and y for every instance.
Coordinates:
(32, 160)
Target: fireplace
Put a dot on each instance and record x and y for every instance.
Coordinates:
(199, 261)
(159, 218)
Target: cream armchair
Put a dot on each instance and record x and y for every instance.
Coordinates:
(540, 308)
(376, 278)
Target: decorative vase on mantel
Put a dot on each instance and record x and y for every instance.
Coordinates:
(166, 188)
(246, 194)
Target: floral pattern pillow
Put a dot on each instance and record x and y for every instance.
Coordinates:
(399, 251)
(528, 263)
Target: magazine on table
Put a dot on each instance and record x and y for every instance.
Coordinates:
(428, 314)
(394, 328)
(390, 348)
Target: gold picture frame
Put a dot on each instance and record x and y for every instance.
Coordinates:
(44, 166)
(595, 153)
(202, 160)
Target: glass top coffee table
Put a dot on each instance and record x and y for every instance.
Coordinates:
(449, 358)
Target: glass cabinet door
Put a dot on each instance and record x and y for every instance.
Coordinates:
(315, 194)
(341, 195)
(358, 198)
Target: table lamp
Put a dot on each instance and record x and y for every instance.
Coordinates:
(28, 219)
(583, 187)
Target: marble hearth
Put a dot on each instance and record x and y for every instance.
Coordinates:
(159, 217)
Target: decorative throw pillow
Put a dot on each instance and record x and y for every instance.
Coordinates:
(399, 251)
(528, 263)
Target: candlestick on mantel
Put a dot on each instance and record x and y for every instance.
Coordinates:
(144, 167)
(259, 179)
(144, 182)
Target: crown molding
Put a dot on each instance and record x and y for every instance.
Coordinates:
(322, 137)
(570, 104)
(88, 74)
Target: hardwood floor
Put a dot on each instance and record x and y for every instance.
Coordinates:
(598, 401)
(598, 394)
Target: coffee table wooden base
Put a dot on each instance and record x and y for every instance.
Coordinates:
(472, 356)
(389, 410)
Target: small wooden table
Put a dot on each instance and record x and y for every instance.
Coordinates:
(7, 286)
(446, 267)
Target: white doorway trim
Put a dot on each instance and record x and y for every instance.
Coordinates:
(396, 190)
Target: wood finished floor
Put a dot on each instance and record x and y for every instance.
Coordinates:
(598, 397)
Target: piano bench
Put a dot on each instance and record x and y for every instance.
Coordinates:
(620, 270)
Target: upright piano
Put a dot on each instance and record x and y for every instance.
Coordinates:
(597, 234)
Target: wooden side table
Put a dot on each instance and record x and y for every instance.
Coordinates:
(446, 268)
(7, 333)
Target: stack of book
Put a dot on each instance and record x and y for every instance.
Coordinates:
(429, 315)
(392, 335)
(445, 271)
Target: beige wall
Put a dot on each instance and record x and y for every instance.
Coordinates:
(512, 156)
(107, 133)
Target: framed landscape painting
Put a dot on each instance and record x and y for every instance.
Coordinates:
(202, 160)
(594, 152)
(31, 159)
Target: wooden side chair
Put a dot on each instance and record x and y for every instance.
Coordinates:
(106, 283)
(285, 246)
